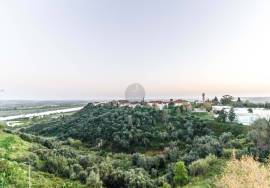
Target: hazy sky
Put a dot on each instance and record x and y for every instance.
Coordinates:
(60, 49)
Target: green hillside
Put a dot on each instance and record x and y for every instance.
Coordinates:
(142, 147)
(131, 129)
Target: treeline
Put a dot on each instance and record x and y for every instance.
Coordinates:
(229, 100)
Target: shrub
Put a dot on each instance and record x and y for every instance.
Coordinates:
(74, 143)
(206, 145)
(82, 176)
(2, 125)
(135, 178)
(85, 161)
(208, 106)
(94, 180)
(201, 166)
(240, 153)
(180, 173)
(227, 153)
(191, 156)
(236, 143)
(211, 159)
(198, 167)
(51, 165)
(172, 153)
(148, 163)
(77, 168)
(66, 172)
(166, 185)
(222, 116)
(27, 137)
(33, 158)
(2, 152)
(259, 135)
(67, 152)
(50, 144)
(11, 175)
(225, 139)
(54, 164)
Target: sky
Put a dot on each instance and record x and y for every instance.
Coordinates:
(93, 49)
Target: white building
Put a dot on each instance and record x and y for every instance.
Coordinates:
(243, 116)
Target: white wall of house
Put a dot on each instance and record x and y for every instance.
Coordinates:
(243, 116)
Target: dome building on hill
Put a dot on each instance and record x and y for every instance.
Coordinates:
(135, 93)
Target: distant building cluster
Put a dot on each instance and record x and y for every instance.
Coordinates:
(159, 104)
(162, 103)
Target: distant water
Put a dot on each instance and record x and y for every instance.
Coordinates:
(256, 99)
(31, 115)
(31, 103)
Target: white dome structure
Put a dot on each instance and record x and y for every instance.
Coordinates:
(135, 93)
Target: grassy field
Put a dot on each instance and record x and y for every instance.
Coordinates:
(12, 147)
(204, 115)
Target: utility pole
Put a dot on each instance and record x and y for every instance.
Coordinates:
(29, 173)
(29, 169)
(203, 97)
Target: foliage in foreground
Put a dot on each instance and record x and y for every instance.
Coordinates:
(245, 173)
(201, 166)
(14, 154)
(180, 173)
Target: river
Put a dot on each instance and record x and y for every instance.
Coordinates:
(40, 114)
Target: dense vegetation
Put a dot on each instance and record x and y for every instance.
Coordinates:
(129, 129)
(14, 155)
(111, 146)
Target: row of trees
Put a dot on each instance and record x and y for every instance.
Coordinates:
(228, 100)
(223, 115)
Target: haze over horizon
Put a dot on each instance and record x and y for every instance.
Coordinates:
(94, 49)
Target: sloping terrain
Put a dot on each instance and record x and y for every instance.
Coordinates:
(125, 128)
